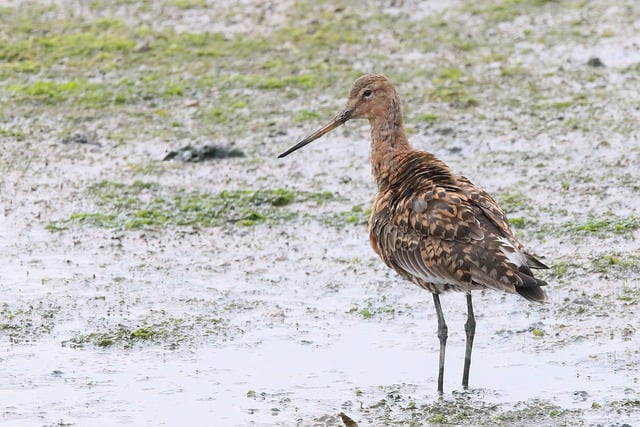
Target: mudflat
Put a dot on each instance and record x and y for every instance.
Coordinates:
(224, 286)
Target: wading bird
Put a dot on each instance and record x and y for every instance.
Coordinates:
(436, 229)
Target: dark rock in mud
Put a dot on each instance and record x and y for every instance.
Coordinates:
(81, 138)
(595, 62)
(199, 154)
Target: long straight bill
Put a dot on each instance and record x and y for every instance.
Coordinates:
(334, 123)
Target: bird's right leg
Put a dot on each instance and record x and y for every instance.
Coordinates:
(470, 329)
(442, 335)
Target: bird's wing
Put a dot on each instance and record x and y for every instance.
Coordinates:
(492, 211)
(443, 236)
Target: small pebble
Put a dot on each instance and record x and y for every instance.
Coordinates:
(595, 62)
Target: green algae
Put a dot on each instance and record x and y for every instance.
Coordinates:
(146, 204)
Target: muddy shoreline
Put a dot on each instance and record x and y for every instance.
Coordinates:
(242, 290)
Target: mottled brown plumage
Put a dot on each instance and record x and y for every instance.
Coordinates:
(442, 233)
(435, 228)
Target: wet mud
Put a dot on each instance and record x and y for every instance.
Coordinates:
(242, 290)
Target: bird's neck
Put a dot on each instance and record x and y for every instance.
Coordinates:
(389, 145)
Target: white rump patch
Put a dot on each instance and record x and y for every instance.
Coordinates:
(512, 253)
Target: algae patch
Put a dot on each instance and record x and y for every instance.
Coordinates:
(27, 322)
(470, 408)
(170, 332)
(616, 263)
(146, 204)
(356, 216)
(607, 224)
(451, 86)
(512, 201)
(508, 10)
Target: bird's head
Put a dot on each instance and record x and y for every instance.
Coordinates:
(371, 96)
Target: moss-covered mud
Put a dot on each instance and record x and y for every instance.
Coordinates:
(242, 290)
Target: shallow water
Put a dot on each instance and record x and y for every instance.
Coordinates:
(287, 380)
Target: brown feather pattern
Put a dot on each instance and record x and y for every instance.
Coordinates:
(443, 233)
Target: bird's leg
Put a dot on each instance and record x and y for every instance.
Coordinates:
(470, 329)
(442, 335)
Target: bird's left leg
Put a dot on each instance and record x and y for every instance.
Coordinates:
(442, 336)
(470, 329)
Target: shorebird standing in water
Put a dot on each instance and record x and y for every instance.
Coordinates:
(436, 229)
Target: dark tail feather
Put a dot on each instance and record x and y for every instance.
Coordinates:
(528, 281)
(530, 288)
(533, 293)
(534, 262)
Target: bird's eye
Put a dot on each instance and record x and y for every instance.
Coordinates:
(367, 93)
